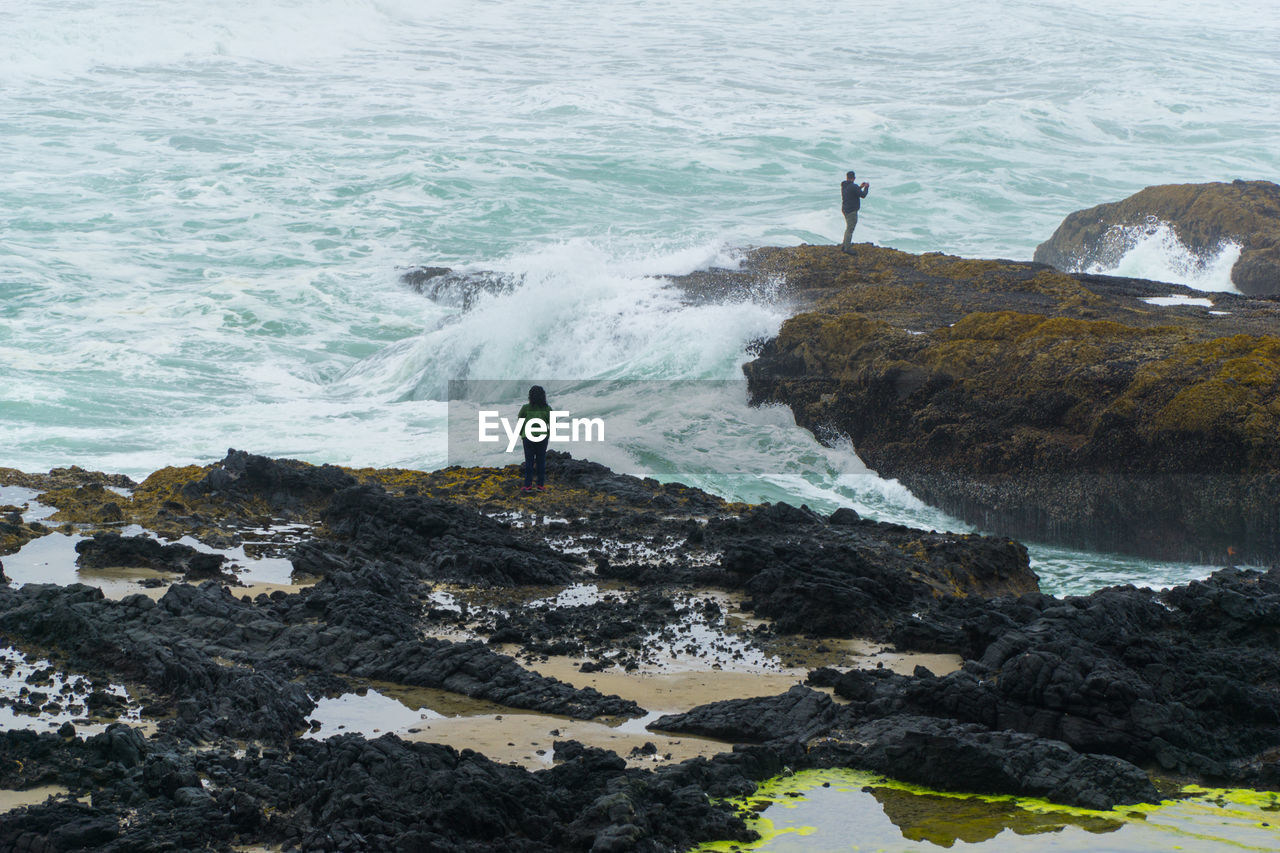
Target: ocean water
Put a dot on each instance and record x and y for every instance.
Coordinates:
(205, 208)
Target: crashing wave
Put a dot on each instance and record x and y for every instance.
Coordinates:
(1153, 251)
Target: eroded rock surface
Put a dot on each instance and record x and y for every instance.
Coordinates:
(1061, 699)
(814, 731)
(1055, 407)
(108, 549)
(349, 793)
(1184, 679)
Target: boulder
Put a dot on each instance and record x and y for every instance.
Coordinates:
(1203, 216)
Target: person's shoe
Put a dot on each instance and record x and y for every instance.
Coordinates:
(526, 488)
(542, 488)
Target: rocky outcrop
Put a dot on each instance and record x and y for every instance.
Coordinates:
(1183, 679)
(1063, 698)
(228, 667)
(437, 540)
(1203, 217)
(927, 750)
(845, 576)
(1036, 404)
(348, 793)
(841, 575)
(935, 751)
(108, 549)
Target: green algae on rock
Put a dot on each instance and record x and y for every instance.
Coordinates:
(1203, 216)
(855, 810)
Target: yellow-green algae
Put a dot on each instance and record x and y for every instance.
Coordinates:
(160, 504)
(865, 811)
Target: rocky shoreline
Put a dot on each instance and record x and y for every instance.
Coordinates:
(605, 666)
(456, 582)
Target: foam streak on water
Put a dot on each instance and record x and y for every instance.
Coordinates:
(206, 207)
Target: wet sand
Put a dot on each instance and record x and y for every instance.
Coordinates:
(10, 800)
(528, 739)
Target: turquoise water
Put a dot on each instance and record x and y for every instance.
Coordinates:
(206, 208)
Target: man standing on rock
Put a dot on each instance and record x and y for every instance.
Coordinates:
(851, 196)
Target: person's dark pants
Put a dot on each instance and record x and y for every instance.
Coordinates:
(535, 456)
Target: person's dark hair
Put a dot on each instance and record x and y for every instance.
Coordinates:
(538, 397)
(849, 175)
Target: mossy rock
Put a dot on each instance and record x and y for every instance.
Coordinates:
(179, 501)
(1203, 216)
(1037, 403)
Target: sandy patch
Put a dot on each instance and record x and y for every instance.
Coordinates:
(671, 692)
(10, 800)
(528, 739)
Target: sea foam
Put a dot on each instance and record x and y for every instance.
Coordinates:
(1153, 251)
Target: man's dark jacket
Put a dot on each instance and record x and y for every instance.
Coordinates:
(851, 196)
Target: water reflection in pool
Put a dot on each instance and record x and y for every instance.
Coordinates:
(844, 810)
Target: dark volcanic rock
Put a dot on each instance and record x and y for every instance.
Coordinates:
(1058, 698)
(111, 549)
(230, 668)
(1203, 216)
(283, 486)
(932, 751)
(798, 714)
(1184, 679)
(348, 793)
(627, 490)
(946, 754)
(596, 628)
(435, 539)
(1038, 404)
(845, 577)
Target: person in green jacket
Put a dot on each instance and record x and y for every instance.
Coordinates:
(535, 452)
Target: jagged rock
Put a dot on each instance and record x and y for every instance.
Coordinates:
(945, 754)
(1203, 216)
(61, 478)
(938, 752)
(1056, 698)
(798, 714)
(180, 646)
(438, 540)
(286, 487)
(350, 793)
(111, 549)
(1183, 679)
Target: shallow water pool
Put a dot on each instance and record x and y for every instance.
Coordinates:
(846, 810)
